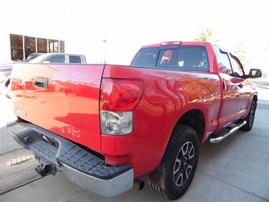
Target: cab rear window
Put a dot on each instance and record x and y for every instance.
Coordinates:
(180, 58)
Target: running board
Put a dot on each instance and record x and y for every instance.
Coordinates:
(226, 133)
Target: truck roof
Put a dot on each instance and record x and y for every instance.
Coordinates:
(176, 43)
(43, 56)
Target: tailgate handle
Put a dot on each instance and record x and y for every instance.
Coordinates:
(41, 82)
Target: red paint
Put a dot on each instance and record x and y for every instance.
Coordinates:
(71, 105)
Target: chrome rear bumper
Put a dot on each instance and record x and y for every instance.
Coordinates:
(81, 167)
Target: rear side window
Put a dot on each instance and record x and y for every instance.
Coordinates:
(74, 59)
(181, 58)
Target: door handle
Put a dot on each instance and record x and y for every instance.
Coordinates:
(41, 82)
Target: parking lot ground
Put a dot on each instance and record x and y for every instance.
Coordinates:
(236, 169)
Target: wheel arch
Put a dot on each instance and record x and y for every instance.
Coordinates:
(255, 98)
(194, 119)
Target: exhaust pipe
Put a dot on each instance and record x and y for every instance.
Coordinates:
(139, 184)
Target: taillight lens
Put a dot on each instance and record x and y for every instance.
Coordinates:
(119, 97)
(120, 94)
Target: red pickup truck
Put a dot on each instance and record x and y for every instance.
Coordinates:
(106, 126)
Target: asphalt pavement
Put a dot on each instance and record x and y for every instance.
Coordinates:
(236, 169)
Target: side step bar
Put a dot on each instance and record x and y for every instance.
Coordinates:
(226, 133)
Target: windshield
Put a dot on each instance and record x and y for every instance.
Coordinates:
(32, 56)
(182, 58)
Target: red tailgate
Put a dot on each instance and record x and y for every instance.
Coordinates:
(63, 99)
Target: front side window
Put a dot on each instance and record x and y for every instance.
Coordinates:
(237, 67)
(228, 63)
(224, 64)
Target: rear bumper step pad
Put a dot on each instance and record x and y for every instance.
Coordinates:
(81, 167)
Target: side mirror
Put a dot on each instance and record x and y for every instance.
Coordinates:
(255, 73)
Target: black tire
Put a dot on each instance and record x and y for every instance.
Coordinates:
(7, 90)
(174, 176)
(250, 117)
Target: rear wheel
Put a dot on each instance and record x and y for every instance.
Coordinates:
(250, 117)
(174, 176)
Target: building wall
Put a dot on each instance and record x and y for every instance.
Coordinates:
(29, 18)
(78, 25)
(5, 48)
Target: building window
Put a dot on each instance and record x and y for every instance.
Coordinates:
(42, 45)
(22, 46)
(62, 47)
(29, 46)
(16, 45)
(53, 46)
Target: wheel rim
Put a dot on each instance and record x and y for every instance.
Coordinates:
(183, 163)
(252, 113)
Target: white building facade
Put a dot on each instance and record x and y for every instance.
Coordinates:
(29, 27)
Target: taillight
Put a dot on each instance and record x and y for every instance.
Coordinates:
(119, 98)
(120, 94)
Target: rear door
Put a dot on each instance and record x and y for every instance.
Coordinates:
(61, 98)
(231, 89)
